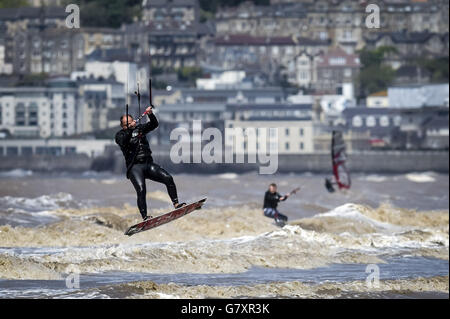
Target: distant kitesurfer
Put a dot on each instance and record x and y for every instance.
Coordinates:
(140, 166)
(271, 200)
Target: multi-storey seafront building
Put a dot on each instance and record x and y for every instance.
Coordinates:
(287, 128)
(60, 108)
(43, 112)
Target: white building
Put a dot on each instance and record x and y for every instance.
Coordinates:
(416, 96)
(288, 127)
(126, 73)
(40, 111)
(5, 68)
(99, 98)
(222, 80)
(61, 108)
(56, 147)
(379, 99)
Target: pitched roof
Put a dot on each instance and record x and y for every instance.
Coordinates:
(243, 39)
(380, 93)
(172, 3)
(337, 57)
(404, 37)
(120, 54)
(412, 71)
(440, 122)
(32, 12)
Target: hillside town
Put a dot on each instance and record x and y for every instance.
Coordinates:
(304, 67)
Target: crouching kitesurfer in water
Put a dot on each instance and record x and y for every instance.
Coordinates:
(140, 166)
(271, 200)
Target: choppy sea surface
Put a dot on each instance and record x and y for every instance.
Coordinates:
(62, 236)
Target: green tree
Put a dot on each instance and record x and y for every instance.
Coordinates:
(107, 13)
(34, 79)
(211, 6)
(375, 76)
(189, 74)
(13, 3)
(438, 68)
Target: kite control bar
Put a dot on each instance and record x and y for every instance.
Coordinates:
(138, 94)
(293, 192)
(141, 116)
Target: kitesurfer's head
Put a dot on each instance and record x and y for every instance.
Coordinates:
(123, 121)
(273, 188)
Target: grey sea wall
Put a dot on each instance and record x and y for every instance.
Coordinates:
(361, 162)
(366, 162)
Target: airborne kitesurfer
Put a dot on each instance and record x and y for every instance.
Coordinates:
(140, 166)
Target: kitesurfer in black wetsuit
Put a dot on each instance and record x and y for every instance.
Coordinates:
(271, 200)
(140, 166)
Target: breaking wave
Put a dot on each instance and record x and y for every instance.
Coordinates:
(41, 203)
(373, 178)
(228, 176)
(421, 177)
(430, 287)
(295, 289)
(218, 240)
(16, 173)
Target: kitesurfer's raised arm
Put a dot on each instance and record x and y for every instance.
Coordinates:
(152, 123)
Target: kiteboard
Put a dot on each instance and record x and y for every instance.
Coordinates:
(164, 219)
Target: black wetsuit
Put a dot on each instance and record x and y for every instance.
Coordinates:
(271, 201)
(140, 165)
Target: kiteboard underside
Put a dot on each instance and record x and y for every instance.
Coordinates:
(164, 219)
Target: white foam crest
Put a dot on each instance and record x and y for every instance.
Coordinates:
(228, 176)
(16, 173)
(350, 211)
(426, 177)
(374, 178)
(42, 203)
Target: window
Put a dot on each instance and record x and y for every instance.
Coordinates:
(303, 75)
(41, 150)
(273, 146)
(287, 146)
(71, 150)
(384, 121)
(33, 114)
(27, 150)
(273, 132)
(301, 132)
(357, 121)
(302, 146)
(323, 35)
(371, 121)
(12, 151)
(287, 132)
(20, 114)
(0, 114)
(337, 61)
